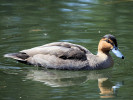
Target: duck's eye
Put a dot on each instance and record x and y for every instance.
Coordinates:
(107, 41)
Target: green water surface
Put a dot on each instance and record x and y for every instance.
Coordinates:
(28, 23)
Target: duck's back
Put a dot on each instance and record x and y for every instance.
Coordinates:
(59, 49)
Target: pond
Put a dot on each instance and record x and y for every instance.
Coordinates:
(27, 23)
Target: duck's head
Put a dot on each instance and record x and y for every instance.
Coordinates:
(107, 43)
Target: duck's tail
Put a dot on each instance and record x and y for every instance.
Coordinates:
(17, 56)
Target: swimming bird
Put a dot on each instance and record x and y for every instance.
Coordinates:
(68, 56)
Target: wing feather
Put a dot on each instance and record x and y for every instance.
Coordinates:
(62, 50)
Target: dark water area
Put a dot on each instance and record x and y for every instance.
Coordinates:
(27, 23)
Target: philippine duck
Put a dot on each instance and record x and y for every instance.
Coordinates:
(68, 56)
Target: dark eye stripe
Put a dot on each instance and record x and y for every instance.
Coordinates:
(109, 42)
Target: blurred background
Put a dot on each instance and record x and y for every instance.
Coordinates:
(28, 23)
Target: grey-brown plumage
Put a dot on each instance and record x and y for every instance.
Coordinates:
(58, 55)
(64, 55)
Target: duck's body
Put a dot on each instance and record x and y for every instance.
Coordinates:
(64, 55)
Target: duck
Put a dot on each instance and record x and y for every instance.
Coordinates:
(69, 56)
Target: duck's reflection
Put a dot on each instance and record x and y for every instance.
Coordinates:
(105, 87)
(56, 78)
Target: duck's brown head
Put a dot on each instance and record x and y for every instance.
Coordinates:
(107, 43)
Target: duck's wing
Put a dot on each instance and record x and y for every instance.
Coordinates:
(62, 50)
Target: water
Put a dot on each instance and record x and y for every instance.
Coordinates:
(25, 24)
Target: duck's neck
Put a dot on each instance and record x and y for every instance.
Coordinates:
(101, 60)
(102, 54)
(105, 59)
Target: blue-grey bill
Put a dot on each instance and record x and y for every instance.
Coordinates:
(117, 53)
